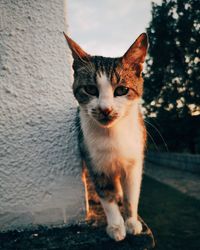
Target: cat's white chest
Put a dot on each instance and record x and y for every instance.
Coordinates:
(118, 149)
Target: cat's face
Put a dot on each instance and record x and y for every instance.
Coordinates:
(106, 88)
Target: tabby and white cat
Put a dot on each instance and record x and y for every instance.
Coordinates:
(113, 135)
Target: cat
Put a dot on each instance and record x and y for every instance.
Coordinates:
(113, 135)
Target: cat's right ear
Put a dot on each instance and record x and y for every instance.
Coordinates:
(77, 52)
(135, 55)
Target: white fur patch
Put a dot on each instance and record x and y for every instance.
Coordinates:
(117, 147)
(133, 226)
(116, 228)
(105, 92)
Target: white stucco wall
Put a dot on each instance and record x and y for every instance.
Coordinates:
(40, 174)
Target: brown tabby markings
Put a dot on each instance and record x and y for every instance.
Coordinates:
(113, 153)
(118, 75)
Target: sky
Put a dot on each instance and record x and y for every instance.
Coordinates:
(107, 27)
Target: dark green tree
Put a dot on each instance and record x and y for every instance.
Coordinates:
(172, 83)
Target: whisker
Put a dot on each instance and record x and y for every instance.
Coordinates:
(163, 140)
(153, 141)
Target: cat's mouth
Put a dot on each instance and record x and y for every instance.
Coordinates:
(106, 121)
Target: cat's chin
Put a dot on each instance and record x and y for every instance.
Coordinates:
(106, 123)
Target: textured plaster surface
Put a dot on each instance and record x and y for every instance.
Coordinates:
(40, 168)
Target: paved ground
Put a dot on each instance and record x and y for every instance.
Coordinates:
(183, 181)
(173, 217)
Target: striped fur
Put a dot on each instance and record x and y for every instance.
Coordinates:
(112, 133)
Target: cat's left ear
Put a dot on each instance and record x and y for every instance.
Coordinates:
(135, 55)
(77, 52)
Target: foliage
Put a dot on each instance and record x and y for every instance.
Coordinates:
(172, 83)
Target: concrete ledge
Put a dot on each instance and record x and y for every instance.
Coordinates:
(84, 235)
(78, 237)
(187, 162)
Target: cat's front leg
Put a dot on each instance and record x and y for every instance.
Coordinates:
(107, 191)
(131, 185)
(115, 228)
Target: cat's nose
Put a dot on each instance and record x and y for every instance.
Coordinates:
(105, 111)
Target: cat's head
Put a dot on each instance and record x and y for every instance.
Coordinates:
(107, 88)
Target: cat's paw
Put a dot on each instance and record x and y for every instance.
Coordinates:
(133, 226)
(116, 232)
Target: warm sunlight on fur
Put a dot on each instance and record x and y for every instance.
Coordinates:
(86, 191)
(112, 132)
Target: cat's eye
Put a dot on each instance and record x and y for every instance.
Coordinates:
(91, 90)
(121, 90)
